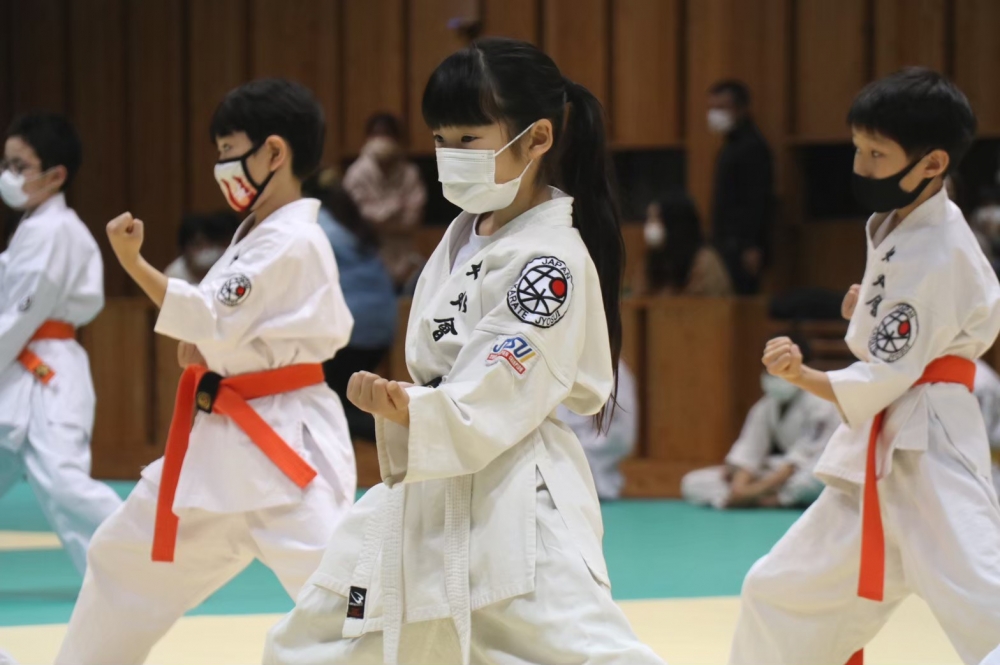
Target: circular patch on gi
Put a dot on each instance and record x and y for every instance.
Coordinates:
(235, 290)
(542, 292)
(895, 334)
(25, 304)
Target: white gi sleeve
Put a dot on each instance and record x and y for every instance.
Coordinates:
(513, 372)
(908, 337)
(754, 443)
(271, 287)
(817, 430)
(35, 277)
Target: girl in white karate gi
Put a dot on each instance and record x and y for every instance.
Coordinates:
(483, 545)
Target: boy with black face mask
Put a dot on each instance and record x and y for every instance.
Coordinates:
(908, 475)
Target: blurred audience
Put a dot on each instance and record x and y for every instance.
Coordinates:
(985, 222)
(368, 291)
(678, 261)
(605, 450)
(743, 191)
(390, 194)
(202, 240)
(771, 464)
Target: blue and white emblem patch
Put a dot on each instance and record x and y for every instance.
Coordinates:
(515, 350)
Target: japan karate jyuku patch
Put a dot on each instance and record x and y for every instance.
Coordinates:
(235, 290)
(541, 294)
(895, 334)
(514, 350)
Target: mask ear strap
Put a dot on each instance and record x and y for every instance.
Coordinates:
(513, 140)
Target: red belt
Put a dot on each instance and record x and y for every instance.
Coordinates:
(871, 578)
(48, 330)
(228, 397)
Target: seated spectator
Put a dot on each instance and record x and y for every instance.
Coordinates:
(388, 190)
(368, 291)
(678, 260)
(606, 449)
(771, 464)
(202, 239)
(987, 391)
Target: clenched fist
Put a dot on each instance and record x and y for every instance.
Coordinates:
(125, 234)
(380, 397)
(783, 358)
(850, 301)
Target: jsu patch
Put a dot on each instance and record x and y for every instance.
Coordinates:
(235, 290)
(542, 293)
(515, 351)
(895, 334)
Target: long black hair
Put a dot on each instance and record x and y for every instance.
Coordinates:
(670, 265)
(513, 83)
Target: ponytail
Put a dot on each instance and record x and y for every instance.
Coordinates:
(585, 172)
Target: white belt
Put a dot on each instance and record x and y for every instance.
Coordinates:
(457, 526)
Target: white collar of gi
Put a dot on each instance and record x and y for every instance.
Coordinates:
(55, 204)
(558, 211)
(932, 211)
(302, 210)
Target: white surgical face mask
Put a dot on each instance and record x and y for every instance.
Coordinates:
(205, 258)
(655, 233)
(468, 178)
(778, 389)
(720, 121)
(12, 189)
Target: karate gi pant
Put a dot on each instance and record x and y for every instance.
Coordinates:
(942, 534)
(708, 487)
(56, 460)
(128, 602)
(568, 618)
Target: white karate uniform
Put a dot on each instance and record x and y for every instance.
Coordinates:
(987, 392)
(271, 301)
(928, 292)
(799, 434)
(484, 543)
(607, 447)
(52, 270)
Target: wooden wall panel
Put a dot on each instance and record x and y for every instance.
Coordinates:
(832, 254)
(831, 65)
(300, 40)
(977, 59)
(517, 19)
(430, 41)
(157, 155)
(39, 76)
(119, 343)
(910, 32)
(689, 416)
(576, 36)
(217, 62)
(99, 103)
(6, 100)
(374, 53)
(646, 54)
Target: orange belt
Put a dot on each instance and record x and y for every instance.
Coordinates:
(871, 578)
(226, 396)
(48, 330)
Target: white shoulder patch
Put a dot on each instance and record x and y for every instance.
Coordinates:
(235, 290)
(542, 293)
(895, 334)
(515, 350)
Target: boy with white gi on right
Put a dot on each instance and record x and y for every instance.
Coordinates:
(909, 505)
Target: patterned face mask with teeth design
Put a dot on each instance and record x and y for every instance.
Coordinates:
(237, 184)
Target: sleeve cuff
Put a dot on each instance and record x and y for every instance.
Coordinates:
(183, 306)
(849, 401)
(400, 454)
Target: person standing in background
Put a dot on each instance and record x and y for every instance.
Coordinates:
(367, 288)
(390, 194)
(51, 283)
(743, 189)
(202, 240)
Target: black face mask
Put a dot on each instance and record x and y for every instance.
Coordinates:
(884, 194)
